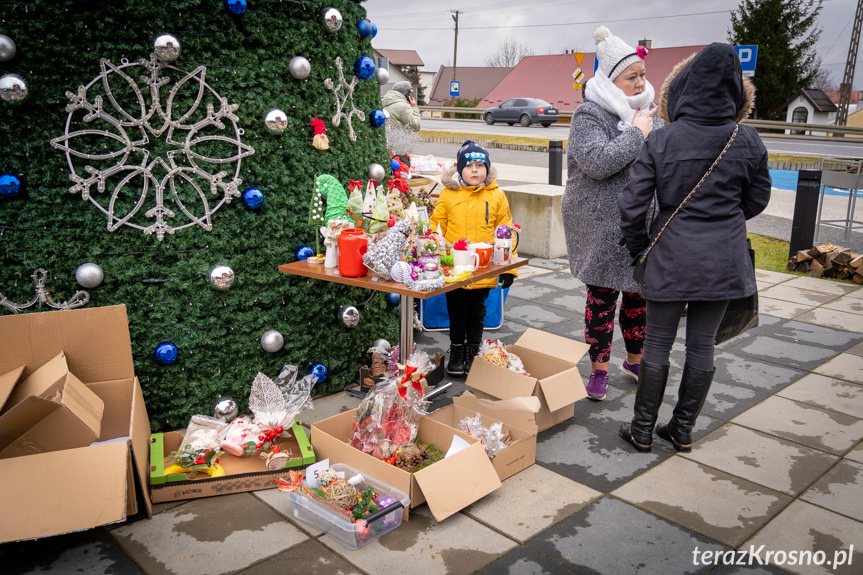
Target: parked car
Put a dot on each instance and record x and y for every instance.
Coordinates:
(525, 111)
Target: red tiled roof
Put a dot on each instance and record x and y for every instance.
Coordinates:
(834, 96)
(550, 77)
(401, 57)
(474, 82)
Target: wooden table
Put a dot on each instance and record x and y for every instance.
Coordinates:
(371, 281)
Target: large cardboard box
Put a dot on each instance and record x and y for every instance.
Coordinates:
(447, 486)
(517, 417)
(51, 410)
(248, 473)
(551, 361)
(74, 489)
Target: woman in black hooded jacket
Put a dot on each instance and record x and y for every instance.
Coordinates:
(701, 258)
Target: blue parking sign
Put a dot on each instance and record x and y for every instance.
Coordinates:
(454, 88)
(747, 55)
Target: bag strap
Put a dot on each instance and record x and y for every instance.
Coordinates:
(689, 195)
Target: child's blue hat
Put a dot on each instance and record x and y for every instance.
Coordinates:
(471, 152)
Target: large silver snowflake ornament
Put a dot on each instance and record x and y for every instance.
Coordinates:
(195, 132)
(344, 94)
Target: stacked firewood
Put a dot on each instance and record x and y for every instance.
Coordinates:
(828, 261)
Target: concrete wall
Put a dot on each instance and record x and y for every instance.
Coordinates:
(536, 208)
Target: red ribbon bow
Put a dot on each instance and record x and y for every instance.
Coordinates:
(355, 185)
(399, 184)
(409, 369)
(295, 483)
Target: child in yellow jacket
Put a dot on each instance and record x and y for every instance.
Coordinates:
(470, 206)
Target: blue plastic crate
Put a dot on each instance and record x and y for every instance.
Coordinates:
(433, 312)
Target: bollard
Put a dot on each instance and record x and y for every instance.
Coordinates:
(805, 211)
(555, 163)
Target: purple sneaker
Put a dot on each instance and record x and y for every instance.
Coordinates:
(630, 369)
(597, 384)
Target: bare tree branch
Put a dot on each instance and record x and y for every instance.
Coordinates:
(508, 54)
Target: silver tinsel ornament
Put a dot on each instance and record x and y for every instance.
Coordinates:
(299, 67)
(333, 19)
(381, 255)
(13, 89)
(7, 48)
(227, 408)
(272, 341)
(166, 48)
(377, 172)
(89, 275)
(382, 344)
(220, 276)
(349, 315)
(383, 76)
(276, 121)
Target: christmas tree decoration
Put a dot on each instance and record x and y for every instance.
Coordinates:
(364, 27)
(401, 271)
(394, 300)
(299, 67)
(166, 48)
(10, 186)
(304, 252)
(377, 172)
(377, 118)
(364, 67)
(220, 276)
(337, 200)
(39, 276)
(253, 198)
(394, 202)
(166, 353)
(181, 166)
(237, 7)
(225, 408)
(272, 341)
(401, 140)
(319, 370)
(355, 201)
(383, 76)
(276, 121)
(343, 93)
(370, 198)
(319, 140)
(381, 255)
(89, 275)
(333, 19)
(331, 233)
(7, 48)
(349, 315)
(13, 89)
(374, 29)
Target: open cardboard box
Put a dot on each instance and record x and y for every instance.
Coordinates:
(517, 417)
(448, 486)
(248, 473)
(551, 361)
(74, 489)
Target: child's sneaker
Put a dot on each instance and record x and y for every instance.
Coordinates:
(597, 384)
(630, 369)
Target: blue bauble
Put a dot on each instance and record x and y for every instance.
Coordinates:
(364, 27)
(395, 165)
(319, 370)
(374, 29)
(377, 118)
(10, 186)
(394, 299)
(364, 68)
(236, 6)
(304, 253)
(253, 197)
(166, 353)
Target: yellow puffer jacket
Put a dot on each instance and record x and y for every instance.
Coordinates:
(472, 213)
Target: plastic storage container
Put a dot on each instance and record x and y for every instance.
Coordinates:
(338, 526)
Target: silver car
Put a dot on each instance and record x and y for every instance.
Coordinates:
(525, 111)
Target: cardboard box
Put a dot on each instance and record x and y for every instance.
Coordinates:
(551, 361)
(74, 489)
(50, 410)
(447, 486)
(247, 473)
(517, 416)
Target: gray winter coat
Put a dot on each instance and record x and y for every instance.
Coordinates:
(401, 112)
(701, 255)
(599, 156)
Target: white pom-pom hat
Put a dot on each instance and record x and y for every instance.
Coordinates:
(613, 54)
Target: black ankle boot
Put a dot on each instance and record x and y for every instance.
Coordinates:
(455, 366)
(469, 355)
(648, 397)
(694, 386)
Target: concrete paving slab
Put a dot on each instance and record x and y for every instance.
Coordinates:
(555, 264)
(591, 456)
(806, 424)
(528, 271)
(828, 393)
(748, 372)
(858, 293)
(201, 536)
(743, 569)
(803, 528)
(769, 277)
(716, 504)
(572, 328)
(525, 561)
(844, 366)
(528, 290)
(562, 280)
(771, 349)
(572, 301)
(93, 552)
(821, 285)
(328, 406)
(787, 292)
(848, 304)
(765, 324)
(724, 400)
(309, 558)
(780, 308)
(801, 332)
(457, 545)
(611, 536)
(856, 350)
(840, 490)
(839, 319)
(534, 315)
(531, 501)
(585, 407)
(856, 454)
(763, 459)
(280, 502)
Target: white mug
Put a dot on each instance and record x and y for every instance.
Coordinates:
(465, 258)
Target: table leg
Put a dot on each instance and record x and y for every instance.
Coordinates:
(406, 336)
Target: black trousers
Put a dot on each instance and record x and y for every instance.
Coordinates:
(702, 323)
(466, 309)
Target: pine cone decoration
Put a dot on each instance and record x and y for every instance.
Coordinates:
(378, 368)
(409, 456)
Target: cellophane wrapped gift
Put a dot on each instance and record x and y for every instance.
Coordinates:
(492, 437)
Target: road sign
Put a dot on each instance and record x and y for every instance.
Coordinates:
(454, 87)
(747, 55)
(578, 75)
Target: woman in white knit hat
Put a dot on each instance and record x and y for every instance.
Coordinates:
(605, 137)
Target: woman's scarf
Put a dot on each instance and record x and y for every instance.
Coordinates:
(604, 92)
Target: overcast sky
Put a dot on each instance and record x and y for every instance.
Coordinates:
(552, 26)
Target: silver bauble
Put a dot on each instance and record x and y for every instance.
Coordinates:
(382, 344)
(89, 275)
(333, 18)
(226, 408)
(383, 76)
(349, 315)
(7, 48)
(13, 89)
(377, 172)
(272, 341)
(276, 121)
(166, 48)
(220, 276)
(299, 67)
